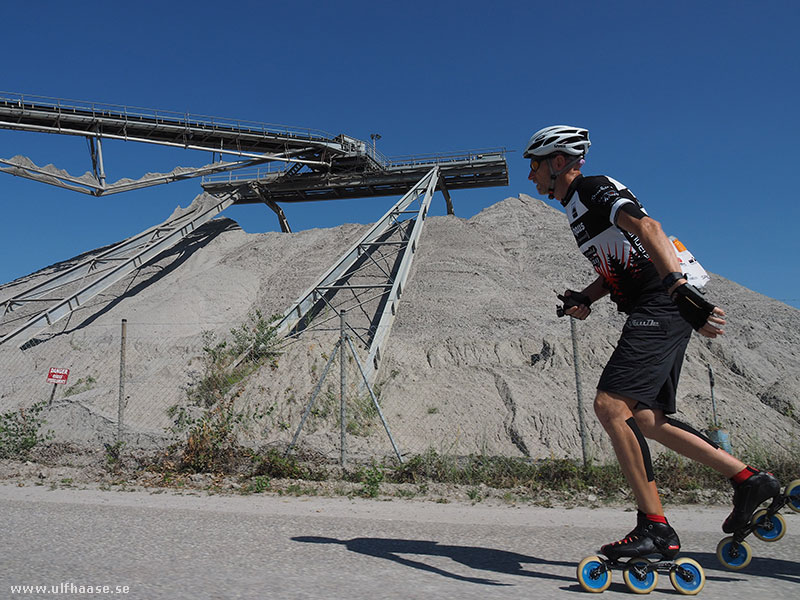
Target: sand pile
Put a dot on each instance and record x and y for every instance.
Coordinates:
(477, 360)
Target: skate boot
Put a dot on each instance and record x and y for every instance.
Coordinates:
(649, 539)
(747, 496)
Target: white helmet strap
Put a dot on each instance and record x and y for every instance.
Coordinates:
(554, 174)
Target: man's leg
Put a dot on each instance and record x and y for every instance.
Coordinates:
(751, 486)
(686, 441)
(616, 415)
(652, 535)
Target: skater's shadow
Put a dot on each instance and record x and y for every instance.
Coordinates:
(482, 559)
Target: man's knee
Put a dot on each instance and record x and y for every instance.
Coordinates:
(610, 407)
(602, 409)
(649, 422)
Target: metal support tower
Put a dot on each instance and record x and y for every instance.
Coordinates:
(369, 278)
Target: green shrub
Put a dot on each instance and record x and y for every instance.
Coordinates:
(225, 364)
(372, 478)
(211, 444)
(20, 431)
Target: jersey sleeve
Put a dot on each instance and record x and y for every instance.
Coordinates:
(604, 196)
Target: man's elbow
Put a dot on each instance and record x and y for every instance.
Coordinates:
(651, 227)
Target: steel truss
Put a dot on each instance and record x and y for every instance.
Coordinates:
(469, 169)
(66, 291)
(288, 164)
(251, 143)
(366, 282)
(344, 340)
(368, 279)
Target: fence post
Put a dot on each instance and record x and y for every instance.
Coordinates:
(713, 401)
(342, 387)
(121, 405)
(578, 387)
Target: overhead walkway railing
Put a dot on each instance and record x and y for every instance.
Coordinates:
(64, 292)
(250, 143)
(396, 163)
(472, 169)
(56, 115)
(339, 288)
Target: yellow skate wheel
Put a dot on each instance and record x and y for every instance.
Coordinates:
(734, 555)
(594, 575)
(638, 578)
(793, 492)
(768, 528)
(687, 576)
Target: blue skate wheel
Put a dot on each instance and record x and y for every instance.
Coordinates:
(793, 494)
(734, 555)
(768, 528)
(594, 575)
(638, 578)
(687, 576)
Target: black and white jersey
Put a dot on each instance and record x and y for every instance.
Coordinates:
(592, 204)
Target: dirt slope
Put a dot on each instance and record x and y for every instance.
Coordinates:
(478, 360)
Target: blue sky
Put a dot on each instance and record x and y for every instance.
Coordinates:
(693, 105)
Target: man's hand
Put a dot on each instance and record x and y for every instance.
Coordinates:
(713, 325)
(576, 305)
(703, 316)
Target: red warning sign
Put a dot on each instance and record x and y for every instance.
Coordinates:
(57, 375)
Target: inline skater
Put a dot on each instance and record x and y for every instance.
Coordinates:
(637, 266)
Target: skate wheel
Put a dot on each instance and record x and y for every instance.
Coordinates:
(638, 578)
(687, 576)
(734, 555)
(793, 494)
(594, 574)
(768, 528)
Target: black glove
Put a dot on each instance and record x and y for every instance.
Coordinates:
(573, 299)
(692, 306)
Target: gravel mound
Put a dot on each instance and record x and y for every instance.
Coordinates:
(477, 360)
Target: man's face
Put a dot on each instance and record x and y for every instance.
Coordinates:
(540, 175)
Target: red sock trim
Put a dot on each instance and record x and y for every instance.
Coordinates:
(657, 518)
(743, 475)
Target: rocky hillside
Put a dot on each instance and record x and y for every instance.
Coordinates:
(477, 360)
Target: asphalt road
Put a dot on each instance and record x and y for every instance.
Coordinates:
(263, 547)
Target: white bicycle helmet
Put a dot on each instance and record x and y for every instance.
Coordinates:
(558, 138)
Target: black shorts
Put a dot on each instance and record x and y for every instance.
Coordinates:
(646, 364)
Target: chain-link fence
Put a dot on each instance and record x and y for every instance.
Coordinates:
(148, 384)
(144, 384)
